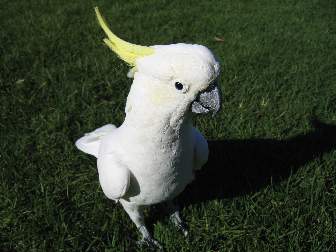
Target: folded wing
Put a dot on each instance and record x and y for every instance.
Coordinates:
(201, 150)
(114, 177)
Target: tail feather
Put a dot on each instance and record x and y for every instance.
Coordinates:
(90, 142)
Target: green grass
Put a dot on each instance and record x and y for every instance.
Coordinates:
(278, 70)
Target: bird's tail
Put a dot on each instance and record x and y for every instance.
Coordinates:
(90, 142)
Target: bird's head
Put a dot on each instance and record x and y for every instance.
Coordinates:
(178, 76)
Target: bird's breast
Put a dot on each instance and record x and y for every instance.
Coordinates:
(161, 167)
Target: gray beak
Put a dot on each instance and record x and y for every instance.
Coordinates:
(207, 101)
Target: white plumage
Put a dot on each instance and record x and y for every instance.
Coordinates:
(152, 156)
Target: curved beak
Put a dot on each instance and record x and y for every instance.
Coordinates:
(207, 101)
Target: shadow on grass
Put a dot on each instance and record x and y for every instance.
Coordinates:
(239, 167)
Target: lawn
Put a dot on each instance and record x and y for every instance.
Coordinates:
(270, 183)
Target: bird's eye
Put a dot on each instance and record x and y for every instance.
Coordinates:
(178, 85)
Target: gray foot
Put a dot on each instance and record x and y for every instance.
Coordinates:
(147, 240)
(150, 243)
(178, 223)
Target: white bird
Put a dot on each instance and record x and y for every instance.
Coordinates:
(152, 156)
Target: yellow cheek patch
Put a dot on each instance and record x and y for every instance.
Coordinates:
(160, 96)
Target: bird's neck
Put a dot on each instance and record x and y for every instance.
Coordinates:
(155, 121)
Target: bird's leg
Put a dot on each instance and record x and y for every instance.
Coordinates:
(135, 212)
(175, 217)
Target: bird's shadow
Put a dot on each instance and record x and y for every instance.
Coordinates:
(240, 167)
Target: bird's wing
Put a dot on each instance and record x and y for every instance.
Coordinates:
(114, 177)
(90, 142)
(201, 150)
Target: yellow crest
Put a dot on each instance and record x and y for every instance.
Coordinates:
(126, 51)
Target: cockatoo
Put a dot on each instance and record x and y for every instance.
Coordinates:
(152, 156)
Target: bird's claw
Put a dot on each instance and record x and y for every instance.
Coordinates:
(179, 224)
(184, 231)
(181, 227)
(150, 243)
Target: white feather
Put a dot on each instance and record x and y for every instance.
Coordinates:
(152, 156)
(114, 177)
(90, 142)
(201, 150)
